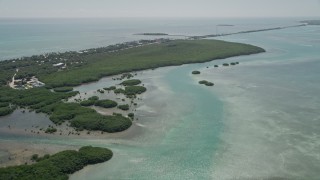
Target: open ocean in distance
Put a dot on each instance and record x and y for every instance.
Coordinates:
(261, 120)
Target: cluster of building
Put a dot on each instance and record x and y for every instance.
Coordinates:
(60, 65)
(27, 83)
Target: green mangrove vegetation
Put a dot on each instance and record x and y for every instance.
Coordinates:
(62, 71)
(4, 104)
(57, 166)
(124, 107)
(92, 64)
(93, 98)
(63, 89)
(207, 83)
(125, 76)
(131, 115)
(110, 124)
(131, 91)
(36, 98)
(50, 130)
(100, 91)
(106, 103)
(51, 103)
(6, 111)
(131, 82)
(87, 103)
(196, 72)
(96, 63)
(134, 90)
(111, 88)
(90, 102)
(234, 63)
(119, 91)
(36, 158)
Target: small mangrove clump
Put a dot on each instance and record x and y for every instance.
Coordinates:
(207, 83)
(124, 107)
(36, 158)
(87, 103)
(131, 82)
(90, 102)
(234, 63)
(195, 72)
(50, 130)
(133, 90)
(100, 91)
(106, 103)
(119, 91)
(93, 98)
(111, 88)
(131, 115)
(126, 75)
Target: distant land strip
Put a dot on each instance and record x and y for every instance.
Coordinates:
(305, 23)
(244, 32)
(158, 34)
(311, 22)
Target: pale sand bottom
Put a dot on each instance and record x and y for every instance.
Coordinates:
(14, 152)
(19, 153)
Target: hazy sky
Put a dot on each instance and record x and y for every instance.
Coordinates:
(159, 8)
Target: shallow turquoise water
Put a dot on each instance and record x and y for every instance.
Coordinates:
(184, 146)
(259, 121)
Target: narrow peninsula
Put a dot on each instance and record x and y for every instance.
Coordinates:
(153, 34)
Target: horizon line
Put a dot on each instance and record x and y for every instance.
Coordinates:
(156, 17)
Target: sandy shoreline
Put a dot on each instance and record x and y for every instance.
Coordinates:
(15, 152)
(19, 153)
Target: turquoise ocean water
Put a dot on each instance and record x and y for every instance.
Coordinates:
(259, 121)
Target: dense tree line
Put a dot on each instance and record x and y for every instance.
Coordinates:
(92, 64)
(44, 101)
(57, 166)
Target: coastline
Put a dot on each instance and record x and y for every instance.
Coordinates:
(65, 133)
(179, 52)
(20, 155)
(237, 155)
